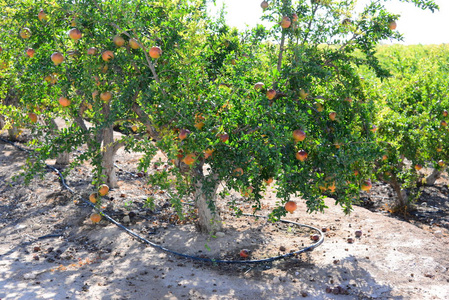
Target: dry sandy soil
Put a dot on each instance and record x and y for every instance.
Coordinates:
(49, 248)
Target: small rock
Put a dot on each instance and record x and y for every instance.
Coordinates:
(358, 233)
(336, 290)
(304, 294)
(36, 249)
(438, 234)
(30, 276)
(276, 280)
(350, 240)
(126, 219)
(219, 234)
(282, 248)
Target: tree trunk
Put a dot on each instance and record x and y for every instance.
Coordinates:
(108, 155)
(209, 220)
(12, 99)
(107, 150)
(402, 201)
(430, 180)
(13, 133)
(63, 159)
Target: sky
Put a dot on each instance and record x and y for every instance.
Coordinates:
(417, 26)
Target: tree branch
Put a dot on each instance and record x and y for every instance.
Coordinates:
(281, 52)
(142, 116)
(312, 17)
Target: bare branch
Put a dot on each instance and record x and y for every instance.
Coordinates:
(143, 117)
(117, 145)
(312, 17)
(281, 52)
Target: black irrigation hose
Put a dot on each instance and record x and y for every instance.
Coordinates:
(196, 258)
(49, 236)
(127, 172)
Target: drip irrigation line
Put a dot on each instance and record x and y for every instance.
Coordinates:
(127, 172)
(183, 255)
(47, 236)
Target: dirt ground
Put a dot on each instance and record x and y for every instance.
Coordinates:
(49, 248)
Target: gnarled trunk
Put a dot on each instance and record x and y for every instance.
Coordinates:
(110, 148)
(63, 158)
(403, 199)
(108, 151)
(209, 220)
(430, 180)
(13, 133)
